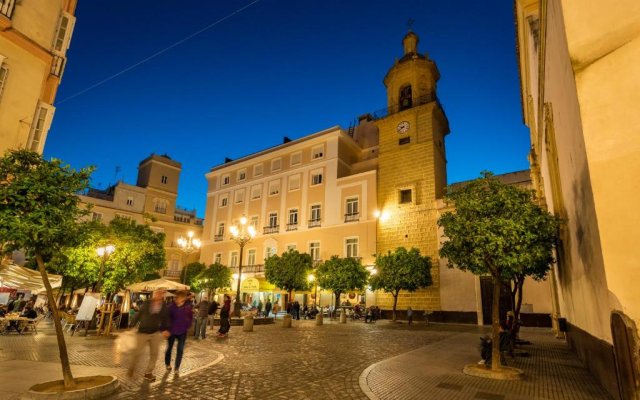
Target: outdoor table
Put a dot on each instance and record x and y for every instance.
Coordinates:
(12, 318)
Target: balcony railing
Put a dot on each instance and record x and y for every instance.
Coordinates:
(172, 273)
(256, 269)
(351, 217)
(7, 7)
(397, 108)
(271, 229)
(57, 65)
(313, 223)
(292, 227)
(218, 238)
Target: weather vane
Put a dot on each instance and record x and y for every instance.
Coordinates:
(410, 23)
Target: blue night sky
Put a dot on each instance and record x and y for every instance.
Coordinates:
(277, 68)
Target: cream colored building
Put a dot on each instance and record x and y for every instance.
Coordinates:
(151, 201)
(34, 38)
(580, 93)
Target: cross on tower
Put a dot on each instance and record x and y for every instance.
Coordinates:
(410, 23)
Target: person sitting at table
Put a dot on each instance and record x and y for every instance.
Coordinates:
(27, 312)
(3, 311)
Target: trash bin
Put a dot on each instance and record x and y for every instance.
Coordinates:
(562, 324)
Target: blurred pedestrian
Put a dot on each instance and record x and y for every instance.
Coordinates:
(409, 316)
(267, 308)
(200, 331)
(181, 316)
(154, 327)
(225, 314)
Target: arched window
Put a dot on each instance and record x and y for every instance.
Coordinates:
(405, 98)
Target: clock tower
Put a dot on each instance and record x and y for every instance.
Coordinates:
(411, 166)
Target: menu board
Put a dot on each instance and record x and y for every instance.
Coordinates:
(87, 308)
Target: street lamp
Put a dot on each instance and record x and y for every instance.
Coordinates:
(188, 246)
(241, 235)
(312, 278)
(103, 253)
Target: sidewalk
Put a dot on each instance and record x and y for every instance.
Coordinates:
(435, 372)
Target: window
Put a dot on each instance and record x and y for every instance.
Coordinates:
(316, 178)
(405, 98)
(352, 206)
(274, 188)
(405, 196)
(175, 263)
(4, 72)
(123, 216)
(294, 182)
(217, 258)
(276, 164)
(317, 152)
(165, 179)
(251, 257)
(256, 192)
(257, 170)
(273, 219)
(40, 127)
(270, 251)
(239, 196)
(233, 260)
(291, 246)
(96, 216)
(296, 158)
(404, 140)
(242, 175)
(129, 201)
(160, 206)
(316, 212)
(351, 247)
(314, 250)
(254, 222)
(293, 216)
(224, 200)
(220, 229)
(62, 39)
(225, 179)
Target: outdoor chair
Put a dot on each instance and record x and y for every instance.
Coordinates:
(31, 325)
(4, 326)
(69, 322)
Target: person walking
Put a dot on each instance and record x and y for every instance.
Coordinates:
(276, 309)
(296, 310)
(409, 316)
(213, 308)
(200, 331)
(181, 317)
(225, 312)
(154, 327)
(267, 308)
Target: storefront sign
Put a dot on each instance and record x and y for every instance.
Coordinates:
(250, 285)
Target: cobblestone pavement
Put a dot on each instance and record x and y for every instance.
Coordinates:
(309, 361)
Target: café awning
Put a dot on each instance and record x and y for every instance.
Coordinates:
(157, 284)
(17, 277)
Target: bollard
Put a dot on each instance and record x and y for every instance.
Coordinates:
(319, 319)
(286, 321)
(247, 325)
(343, 317)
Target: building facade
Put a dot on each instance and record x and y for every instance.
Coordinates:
(151, 201)
(580, 89)
(34, 38)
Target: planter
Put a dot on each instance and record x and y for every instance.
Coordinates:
(87, 387)
(504, 373)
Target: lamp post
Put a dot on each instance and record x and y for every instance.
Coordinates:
(241, 235)
(103, 253)
(312, 278)
(188, 246)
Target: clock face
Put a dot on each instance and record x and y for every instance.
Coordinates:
(403, 127)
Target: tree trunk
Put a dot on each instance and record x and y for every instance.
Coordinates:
(337, 295)
(518, 306)
(69, 383)
(495, 314)
(513, 291)
(395, 303)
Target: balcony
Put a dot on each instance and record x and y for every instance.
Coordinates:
(7, 7)
(57, 66)
(417, 101)
(255, 269)
(172, 273)
(352, 217)
(271, 229)
(314, 223)
(218, 238)
(292, 227)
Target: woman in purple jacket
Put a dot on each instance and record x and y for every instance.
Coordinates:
(181, 316)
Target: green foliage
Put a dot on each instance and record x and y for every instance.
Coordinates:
(39, 208)
(342, 275)
(216, 276)
(401, 270)
(193, 270)
(151, 276)
(497, 229)
(289, 271)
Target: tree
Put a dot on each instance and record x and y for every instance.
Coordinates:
(216, 276)
(499, 230)
(39, 213)
(192, 271)
(289, 271)
(401, 270)
(342, 275)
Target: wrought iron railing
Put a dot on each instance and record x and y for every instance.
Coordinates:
(313, 223)
(218, 238)
(57, 65)
(271, 229)
(397, 108)
(7, 7)
(351, 217)
(257, 268)
(172, 273)
(292, 227)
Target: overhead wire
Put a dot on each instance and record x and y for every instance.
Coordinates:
(156, 54)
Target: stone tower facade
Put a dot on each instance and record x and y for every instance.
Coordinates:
(411, 166)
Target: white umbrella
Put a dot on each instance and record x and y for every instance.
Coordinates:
(157, 284)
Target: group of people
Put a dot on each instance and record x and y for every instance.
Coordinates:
(157, 321)
(26, 309)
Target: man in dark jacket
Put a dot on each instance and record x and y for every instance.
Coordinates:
(154, 328)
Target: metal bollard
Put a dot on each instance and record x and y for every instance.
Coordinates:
(247, 325)
(286, 321)
(343, 317)
(319, 319)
